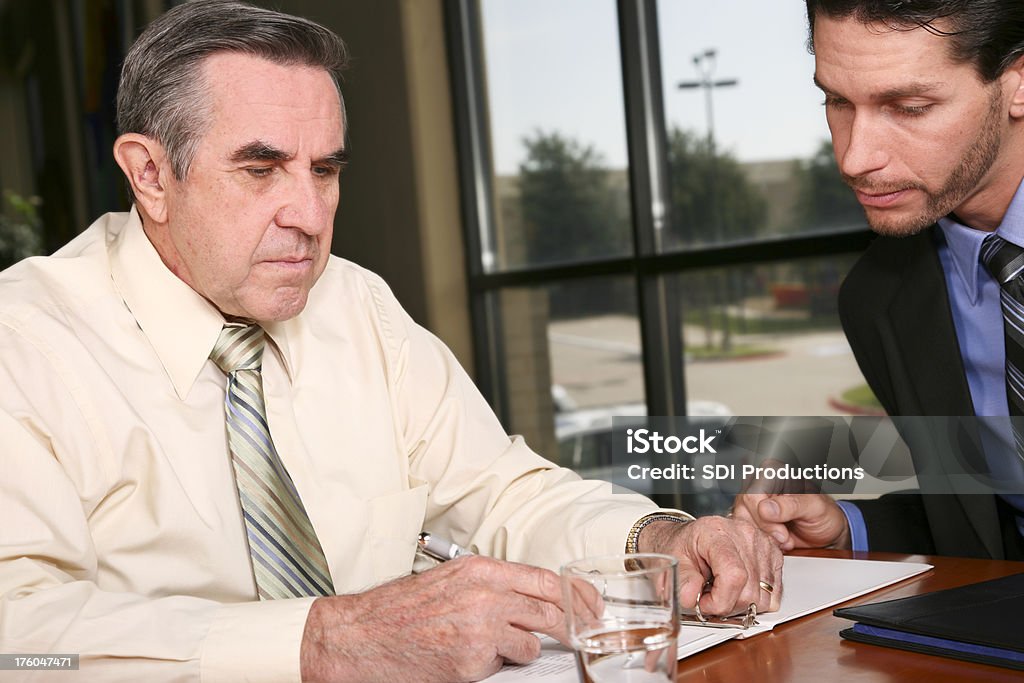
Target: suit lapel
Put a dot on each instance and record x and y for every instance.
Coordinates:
(921, 318)
(922, 321)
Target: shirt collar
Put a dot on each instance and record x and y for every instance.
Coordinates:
(965, 243)
(181, 325)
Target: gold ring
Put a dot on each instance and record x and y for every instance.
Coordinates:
(766, 587)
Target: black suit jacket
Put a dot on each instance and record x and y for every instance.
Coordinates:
(896, 314)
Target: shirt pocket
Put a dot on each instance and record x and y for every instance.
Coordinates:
(396, 521)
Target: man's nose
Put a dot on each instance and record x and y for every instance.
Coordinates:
(866, 146)
(308, 205)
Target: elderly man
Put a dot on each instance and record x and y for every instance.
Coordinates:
(150, 520)
(925, 101)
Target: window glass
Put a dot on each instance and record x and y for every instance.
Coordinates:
(572, 362)
(558, 135)
(748, 147)
(749, 159)
(766, 340)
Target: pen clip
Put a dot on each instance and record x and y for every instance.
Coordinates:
(742, 620)
(438, 548)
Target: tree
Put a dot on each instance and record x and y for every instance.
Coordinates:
(711, 198)
(569, 207)
(20, 229)
(824, 200)
(711, 201)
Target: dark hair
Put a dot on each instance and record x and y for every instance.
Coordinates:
(986, 33)
(162, 93)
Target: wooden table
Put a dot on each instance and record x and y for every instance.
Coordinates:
(810, 649)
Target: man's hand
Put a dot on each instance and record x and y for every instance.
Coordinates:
(736, 553)
(457, 622)
(803, 520)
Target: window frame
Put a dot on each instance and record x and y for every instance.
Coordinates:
(658, 312)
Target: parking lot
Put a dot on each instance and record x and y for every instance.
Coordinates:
(597, 361)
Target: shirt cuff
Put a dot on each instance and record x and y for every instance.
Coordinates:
(256, 642)
(612, 528)
(858, 529)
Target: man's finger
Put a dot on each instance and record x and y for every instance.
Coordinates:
(747, 509)
(532, 581)
(585, 601)
(691, 584)
(744, 507)
(769, 580)
(731, 591)
(789, 508)
(518, 646)
(774, 577)
(532, 614)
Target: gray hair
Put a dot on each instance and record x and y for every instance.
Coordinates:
(162, 93)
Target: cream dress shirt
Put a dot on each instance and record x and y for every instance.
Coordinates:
(121, 536)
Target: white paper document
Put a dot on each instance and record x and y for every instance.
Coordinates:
(810, 583)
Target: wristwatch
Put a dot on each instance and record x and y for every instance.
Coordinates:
(633, 538)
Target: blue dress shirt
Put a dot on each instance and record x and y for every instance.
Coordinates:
(978, 318)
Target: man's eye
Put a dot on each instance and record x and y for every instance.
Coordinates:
(260, 171)
(326, 170)
(835, 103)
(910, 110)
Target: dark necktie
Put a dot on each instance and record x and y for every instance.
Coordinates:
(1005, 261)
(287, 560)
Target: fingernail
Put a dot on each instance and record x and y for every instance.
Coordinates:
(779, 537)
(770, 507)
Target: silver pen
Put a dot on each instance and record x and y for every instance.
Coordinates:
(439, 548)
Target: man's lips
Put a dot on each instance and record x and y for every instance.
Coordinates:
(289, 262)
(880, 199)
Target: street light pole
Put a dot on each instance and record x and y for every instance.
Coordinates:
(705, 65)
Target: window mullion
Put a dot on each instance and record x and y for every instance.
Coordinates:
(645, 125)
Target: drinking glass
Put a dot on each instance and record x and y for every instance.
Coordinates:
(623, 617)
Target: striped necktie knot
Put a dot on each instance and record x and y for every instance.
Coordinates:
(239, 347)
(1004, 260)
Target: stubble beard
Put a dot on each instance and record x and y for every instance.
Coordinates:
(962, 180)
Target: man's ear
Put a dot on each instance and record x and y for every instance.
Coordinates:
(1016, 74)
(143, 161)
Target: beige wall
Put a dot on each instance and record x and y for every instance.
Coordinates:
(399, 212)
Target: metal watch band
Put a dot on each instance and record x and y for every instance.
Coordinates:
(633, 538)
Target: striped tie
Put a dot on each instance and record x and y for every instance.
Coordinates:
(287, 559)
(1005, 261)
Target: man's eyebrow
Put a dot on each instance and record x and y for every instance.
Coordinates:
(262, 151)
(259, 151)
(337, 158)
(915, 89)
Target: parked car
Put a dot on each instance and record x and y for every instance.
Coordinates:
(585, 436)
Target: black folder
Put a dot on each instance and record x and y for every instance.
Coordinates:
(980, 622)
